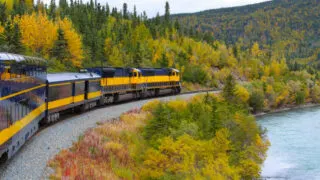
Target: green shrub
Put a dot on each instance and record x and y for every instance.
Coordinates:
(256, 100)
(300, 97)
(195, 74)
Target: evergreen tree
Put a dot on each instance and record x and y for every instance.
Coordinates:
(107, 9)
(137, 59)
(157, 19)
(114, 12)
(52, 10)
(63, 5)
(13, 37)
(167, 14)
(256, 100)
(177, 25)
(144, 16)
(229, 88)
(3, 15)
(19, 8)
(59, 50)
(135, 15)
(164, 62)
(125, 11)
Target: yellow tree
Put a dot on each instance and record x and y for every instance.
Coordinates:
(255, 50)
(242, 93)
(29, 3)
(115, 58)
(38, 33)
(10, 3)
(73, 41)
(1, 29)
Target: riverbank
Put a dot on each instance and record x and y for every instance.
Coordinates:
(286, 108)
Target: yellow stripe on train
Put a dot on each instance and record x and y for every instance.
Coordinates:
(94, 94)
(9, 132)
(114, 81)
(78, 98)
(21, 92)
(71, 99)
(60, 102)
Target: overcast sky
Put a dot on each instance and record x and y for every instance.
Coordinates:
(176, 6)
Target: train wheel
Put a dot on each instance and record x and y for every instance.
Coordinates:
(115, 98)
(4, 157)
(156, 92)
(101, 101)
(141, 94)
(134, 95)
(178, 90)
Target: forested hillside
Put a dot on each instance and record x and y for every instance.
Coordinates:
(281, 27)
(73, 35)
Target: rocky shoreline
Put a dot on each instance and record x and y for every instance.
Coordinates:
(286, 108)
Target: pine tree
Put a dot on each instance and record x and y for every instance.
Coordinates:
(59, 50)
(157, 19)
(13, 37)
(125, 11)
(52, 10)
(164, 62)
(167, 14)
(19, 8)
(107, 10)
(16, 43)
(135, 12)
(229, 88)
(177, 25)
(114, 12)
(137, 59)
(3, 15)
(144, 16)
(63, 5)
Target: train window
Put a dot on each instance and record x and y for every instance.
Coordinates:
(60, 92)
(94, 86)
(135, 74)
(79, 88)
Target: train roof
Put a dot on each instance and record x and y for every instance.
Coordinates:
(157, 69)
(64, 77)
(4, 56)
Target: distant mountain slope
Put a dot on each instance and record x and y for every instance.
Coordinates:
(291, 27)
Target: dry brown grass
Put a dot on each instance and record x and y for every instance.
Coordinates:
(105, 152)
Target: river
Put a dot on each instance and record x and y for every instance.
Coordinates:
(295, 144)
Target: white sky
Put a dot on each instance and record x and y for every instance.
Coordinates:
(176, 6)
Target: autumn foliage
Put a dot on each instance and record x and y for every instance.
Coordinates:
(202, 138)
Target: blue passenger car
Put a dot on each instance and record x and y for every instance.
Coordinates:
(22, 100)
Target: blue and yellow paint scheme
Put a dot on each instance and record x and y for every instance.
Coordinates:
(28, 95)
(22, 100)
(126, 80)
(68, 90)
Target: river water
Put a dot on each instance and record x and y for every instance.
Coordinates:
(295, 144)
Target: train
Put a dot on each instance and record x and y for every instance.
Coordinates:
(31, 97)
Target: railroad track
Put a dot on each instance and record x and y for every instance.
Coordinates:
(66, 116)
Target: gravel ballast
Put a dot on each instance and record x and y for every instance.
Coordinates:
(30, 162)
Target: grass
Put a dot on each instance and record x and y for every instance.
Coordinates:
(108, 151)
